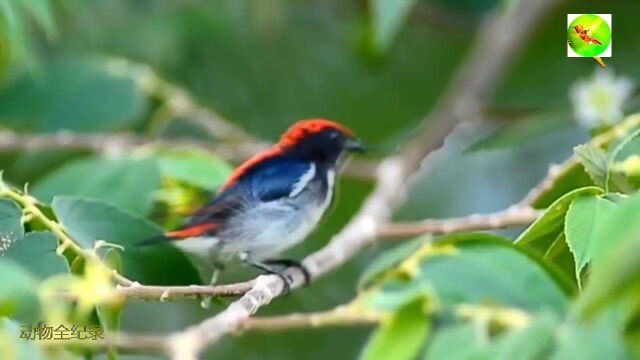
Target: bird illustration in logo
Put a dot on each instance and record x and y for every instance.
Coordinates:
(584, 35)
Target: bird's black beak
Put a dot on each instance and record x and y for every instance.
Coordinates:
(354, 145)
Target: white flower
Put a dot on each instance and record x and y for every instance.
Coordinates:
(600, 100)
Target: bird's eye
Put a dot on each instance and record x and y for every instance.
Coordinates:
(334, 134)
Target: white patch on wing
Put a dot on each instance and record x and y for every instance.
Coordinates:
(303, 181)
(331, 179)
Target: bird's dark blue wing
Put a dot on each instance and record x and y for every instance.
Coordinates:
(278, 178)
(268, 181)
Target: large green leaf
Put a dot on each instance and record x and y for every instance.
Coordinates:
(194, 167)
(36, 252)
(78, 94)
(388, 260)
(90, 220)
(13, 347)
(613, 279)
(466, 341)
(602, 339)
(575, 177)
(619, 180)
(18, 296)
(10, 223)
(126, 183)
(477, 268)
(618, 226)
(541, 234)
(582, 218)
(595, 162)
(401, 337)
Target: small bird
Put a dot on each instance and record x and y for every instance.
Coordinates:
(584, 35)
(272, 201)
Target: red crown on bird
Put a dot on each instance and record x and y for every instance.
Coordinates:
(304, 128)
(290, 138)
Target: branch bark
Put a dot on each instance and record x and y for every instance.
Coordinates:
(514, 215)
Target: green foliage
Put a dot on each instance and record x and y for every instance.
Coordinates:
(541, 234)
(401, 337)
(10, 222)
(18, 297)
(79, 94)
(91, 220)
(264, 65)
(12, 347)
(36, 252)
(488, 269)
(194, 167)
(126, 183)
(583, 216)
(595, 163)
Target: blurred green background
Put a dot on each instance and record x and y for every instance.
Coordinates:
(376, 66)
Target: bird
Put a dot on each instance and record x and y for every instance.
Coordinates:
(584, 35)
(271, 202)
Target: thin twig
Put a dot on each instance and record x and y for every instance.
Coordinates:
(344, 315)
(163, 293)
(512, 216)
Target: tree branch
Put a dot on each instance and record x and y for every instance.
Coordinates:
(119, 144)
(162, 293)
(514, 215)
(344, 315)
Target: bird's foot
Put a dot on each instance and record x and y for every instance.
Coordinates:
(268, 267)
(292, 263)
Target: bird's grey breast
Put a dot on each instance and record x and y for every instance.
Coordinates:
(274, 226)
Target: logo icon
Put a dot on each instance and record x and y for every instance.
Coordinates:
(589, 35)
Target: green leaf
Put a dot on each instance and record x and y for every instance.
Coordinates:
(36, 252)
(388, 260)
(541, 234)
(466, 341)
(617, 227)
(601, 340)
(401, 337)
(475, 268)
(530, 343)
(626, 149)
(523, 131)
(194, 167)
(574, 177)
(454, 342)
(595, 162)
(90, 220)
(126, 183)
(582, 218)
(76, 94)
(613, 279)
(388, 17)
(13, 347)
(10, 223)
(18, 293)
